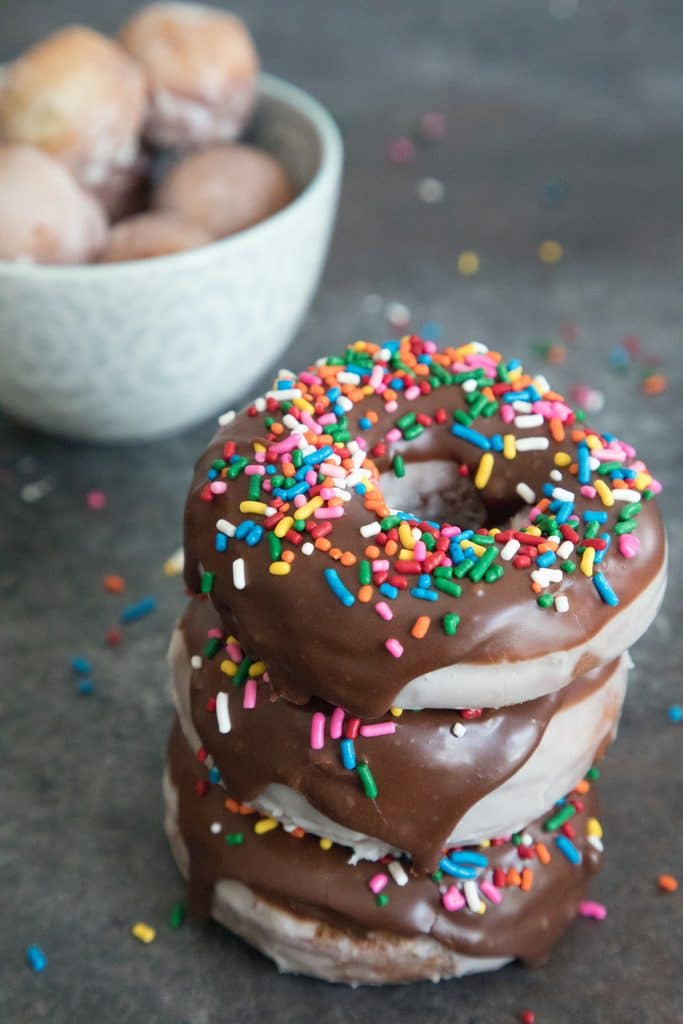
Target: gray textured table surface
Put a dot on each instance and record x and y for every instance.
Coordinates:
(536, 94)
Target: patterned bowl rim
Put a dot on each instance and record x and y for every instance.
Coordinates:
(326, 173)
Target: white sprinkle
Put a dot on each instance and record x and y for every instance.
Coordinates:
(510, 549)
(36, 490)
(339, 493)
(370, 530)
(561, 603)
(525, 492)
(555, 474)
(397, 872)
(284, 395)
(535, 420)
(430, 190)
(307, 548)
(175, 563)
(532, 444)
(625, 494)
(544, 577)
(223, 712)
(593, 463)
(216, 827)
(541, 384)
(293, 424)
(383, 356)
(561, 494)
(196, 662)
(527, 839)
(597, 843)
(472, 896)
(521, 406)
(239, 577)
(226, 418)
(458, 730)
(223, 526)
(397, 314)
(470, 385)
(565, 549)
(260, 404)
(348, 378)
(345, 403)
(481, 348)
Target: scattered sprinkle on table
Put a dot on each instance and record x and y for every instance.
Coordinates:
(177, 915)
(430, 190)
(133, 612)
(550, 252)
(675, 713)
(590, 908)
(175, 563)
(468, 263)
(96, 500)
(527, 1017)
(667, 883)
(114, 584)
(36, 958)
(143, 932)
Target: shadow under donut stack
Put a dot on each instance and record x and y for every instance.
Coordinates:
(416, 575)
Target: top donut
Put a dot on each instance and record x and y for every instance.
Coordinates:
(414, 526)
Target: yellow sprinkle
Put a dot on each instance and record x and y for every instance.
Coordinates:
(593, 442)
(594, 828)
(257, 668)
(606, 496)
(307, 510)
(550, 252)
(509, 446)
(396, 712)
(173, 566)
(301, 403)
(468, 263)
(264, 825)
(484, 470)
(283, 526)
(404, 555)
(515, 374)
(279, 568)
(494, 530)
(256, 508)
(259, 447)
(229, 668)
(477, 549)
(562, 459)
(325, 844)
(481, 909)
(470, 349)
(587, 559)
(533, 530)
(405, 535)
(144, 932)
(541, 384)
(485, 843)
(642, 481)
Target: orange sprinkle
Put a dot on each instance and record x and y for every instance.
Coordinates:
(288, 556)
(232, 805)
(527, 879)
(372, 416)
(335, 553)
(513, 877)
(114, 584)
(536, 587)
(578, 435)
(372, 551)
(288, 469)
(543, 853)
(390, 548)
(421, 627)
(246, 809)
(297, 832)
(276, 428)
(668, 883)
(556, 429)
(365, 594)
(655, 384)
(582, 787)
(348, 558)
(556, 354)
(323, 544)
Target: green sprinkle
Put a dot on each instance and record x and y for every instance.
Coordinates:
(517, 839)
(177, 915)
(389, 522)
(580, 415)
(443, 572)
(462, 568)
(450, 623)
(242, 674)
(368, 781)
(568, 567)
(211, 647)
(494, 573)
(274, 546)
(428, 541)
(608, 467)
(268, 421)
(234, 838)
(484, 539)
(489, 410)
(412, 432)
(564, 814)
(206, 585)
(405, 421)
(299, 525)
(277, 479)
(544, 600)
(477, 403)
(437, 876)
(447, 586)
(460, 416)
(236, 468)
(218, 464)
(255, 487)
(593, 773)
(477, 374)
(502, 372)
(484, 562)
(629, 511)
(592, 530)
(625, 526)
(364, 572)
(648, 494)
(398, 466)
(297, 458)
(381, 899)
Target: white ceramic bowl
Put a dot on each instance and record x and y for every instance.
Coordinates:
(130, 351)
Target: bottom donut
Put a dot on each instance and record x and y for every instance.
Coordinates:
(298, 900)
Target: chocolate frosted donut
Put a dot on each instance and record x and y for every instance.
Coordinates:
(294, 762)
(358, 598)
(300, 902)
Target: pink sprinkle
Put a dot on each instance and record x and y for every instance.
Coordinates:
(380, 565)
(450, 531)
(378, 882)
(588, 491)
(326, 493)
(609, 455)
(589, 908)
(629, 545)
(420, 552)
(329, 469)
(214, 634)
(507, 413)
(234, 652)
(267, 486)
(384, 611)
(394, 646)
(265, 677)
(336, 723)
(391, 406)
(326, 418)
(453, 899)
(254, 470)
(218, 486)
(309, 378)
(378, 729)
(286, 445)
(489, 890)
(655, 487)
(412, 392)
(96, 500)
(311, 477)
(336, 512)
(259, 457)
(249, 700)
(430, 347)
(376, 377)
(393, 435)
(400, 150)
(299, 500)
(318, 730)
(310, 423)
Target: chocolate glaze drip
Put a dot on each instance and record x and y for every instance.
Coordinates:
(313, 645)
(427, 779)
(297, 875)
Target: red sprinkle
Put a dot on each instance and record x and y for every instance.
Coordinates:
(527, 1017)
(352, 728)
(201, 787)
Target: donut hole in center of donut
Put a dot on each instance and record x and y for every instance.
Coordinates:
(435, 490)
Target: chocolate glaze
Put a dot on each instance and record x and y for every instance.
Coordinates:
(297, 875)
(427, 779)
(313, 645)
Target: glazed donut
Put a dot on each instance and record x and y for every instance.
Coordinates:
(301, 903)
(356, 598)
(507, 766)
(201, 69)
(152, 234)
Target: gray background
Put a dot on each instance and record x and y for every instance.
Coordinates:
(594, 99)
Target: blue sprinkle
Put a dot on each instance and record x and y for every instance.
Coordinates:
(521, 396)
(348, 754)
(548, 490)
(629, 474)
(599, 555)
(466, 535)
(431, 331)
(594, 517)
(496, 442)
(584, 466)
(81, 666)
(270, 469)
(675, 713)
(313, 458)
(221, 542)
(473, 436)
(456, 870)
(424, 580)
(290, 492)
(338, 589)
(234, 458)
(360, 488)
(284, 385)
(85, 687)
(212, 474)
(468, 857)
(254, 536)
(333, 394)
(388, 591)
(214, 774)
(338, 409)
(398, 384)
(423, 594)
(244, 528)
(359, 370)
(546, 559)
(364, 423)
(604, 590)
(567, 847)
(565, 510)
(37, 960)
(455, 552)
(515, 364)
(137, 611)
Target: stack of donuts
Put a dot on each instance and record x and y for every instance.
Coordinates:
(416, 573)
(125, 149)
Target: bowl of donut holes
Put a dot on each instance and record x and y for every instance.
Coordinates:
(165, 214)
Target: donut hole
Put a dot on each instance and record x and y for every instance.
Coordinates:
(436, 490)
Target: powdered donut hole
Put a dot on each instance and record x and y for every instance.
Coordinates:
(45, 216)
(201, 67)
(152, 234)
(225, 188)
(79, 97)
